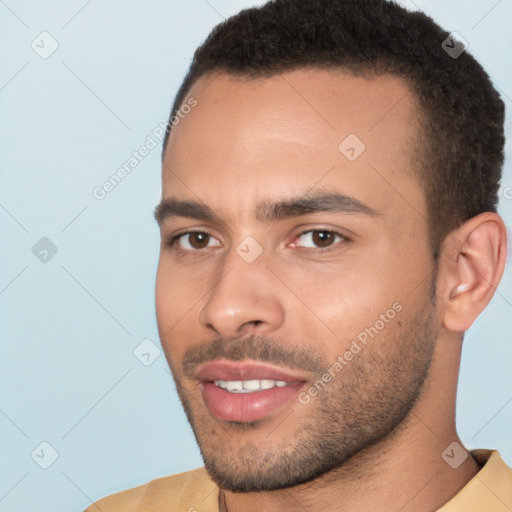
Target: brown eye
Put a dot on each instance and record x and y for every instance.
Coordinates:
(196, 240)
(323, 238)
(319, 239)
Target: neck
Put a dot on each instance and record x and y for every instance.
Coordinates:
(405, 471)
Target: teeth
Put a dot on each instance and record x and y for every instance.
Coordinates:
(251, 385)
(248, 386)
(234, 385)
(267, 384)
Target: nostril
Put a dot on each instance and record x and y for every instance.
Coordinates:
(252, 325)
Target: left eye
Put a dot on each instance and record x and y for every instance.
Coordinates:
(195, 240)
(318, 238)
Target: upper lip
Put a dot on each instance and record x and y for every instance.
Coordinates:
(244, 370)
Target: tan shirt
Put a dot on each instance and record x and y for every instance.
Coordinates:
(194, 491)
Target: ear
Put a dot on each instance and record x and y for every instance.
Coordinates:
(472, 260)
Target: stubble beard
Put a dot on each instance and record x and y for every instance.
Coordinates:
(362, 405)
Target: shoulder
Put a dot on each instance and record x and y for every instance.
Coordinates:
(192, 490)
(489, 490)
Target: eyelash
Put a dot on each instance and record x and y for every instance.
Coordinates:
(344, 239)
(172, 242)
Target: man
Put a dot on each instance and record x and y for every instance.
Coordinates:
(329, 232)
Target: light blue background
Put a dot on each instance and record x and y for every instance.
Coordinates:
(69, 326)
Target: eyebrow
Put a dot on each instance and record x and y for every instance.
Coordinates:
(171, 207)
(268, 211)
(309, 204)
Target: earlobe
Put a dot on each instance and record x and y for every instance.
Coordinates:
(471, 277)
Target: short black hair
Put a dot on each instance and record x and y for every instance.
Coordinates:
(460, 153)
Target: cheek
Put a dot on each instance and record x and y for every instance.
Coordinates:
(179, 297)
(342, 299)
(163, 294)
(177, 290)
(173, 300)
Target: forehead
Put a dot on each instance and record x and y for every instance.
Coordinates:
(286, 134)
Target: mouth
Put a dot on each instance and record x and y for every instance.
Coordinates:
(250, 386)
(248, 390)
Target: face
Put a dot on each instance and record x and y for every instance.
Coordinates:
(294, 284)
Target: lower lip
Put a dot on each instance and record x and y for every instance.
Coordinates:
(245, 407)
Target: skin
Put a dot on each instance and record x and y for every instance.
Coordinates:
(390, 412)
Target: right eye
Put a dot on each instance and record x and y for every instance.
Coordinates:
(194, 241)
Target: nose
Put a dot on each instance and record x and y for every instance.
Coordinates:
(245, 300)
